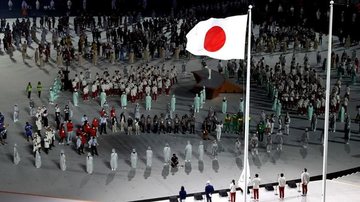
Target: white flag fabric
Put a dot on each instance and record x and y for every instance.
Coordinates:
(241, 182)
(219, 38)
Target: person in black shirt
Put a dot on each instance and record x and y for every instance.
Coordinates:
(174, 161)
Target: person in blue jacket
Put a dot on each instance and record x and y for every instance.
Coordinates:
(182, 194)
(28, 131)
(209, 189)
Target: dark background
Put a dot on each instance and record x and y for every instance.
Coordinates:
(203, 9)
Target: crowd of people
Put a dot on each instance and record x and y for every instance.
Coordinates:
(299, 89)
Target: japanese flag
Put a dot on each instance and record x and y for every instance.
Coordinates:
(219, 38)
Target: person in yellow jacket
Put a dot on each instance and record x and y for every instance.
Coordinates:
(28, 90)
(39, 88)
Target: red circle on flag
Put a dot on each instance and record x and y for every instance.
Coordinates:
(214, 39)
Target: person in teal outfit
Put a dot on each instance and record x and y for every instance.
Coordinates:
(173, 103)
(52, 96)
(342, 114)
(274, 105)
(76, 98)
(226, 72)
(310, 111)
(197, 103)
(241, 106)
(102, 98)
(278, 108)
(224, 106)
(148, 102)
(201, 99)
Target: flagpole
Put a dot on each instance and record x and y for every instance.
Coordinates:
(327, 101)
(247, 103)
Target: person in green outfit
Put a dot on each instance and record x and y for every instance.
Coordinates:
(227, 123)
(240, 123)
(342, 114)
(39, 88)
(29, 89)
(234, 123)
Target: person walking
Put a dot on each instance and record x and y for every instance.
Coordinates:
(282, 183)
(232, 191)
(347, 129)
(39, 88)
(218, 130)
(305, 179)
(214, 150)
(93, 146)
(256, 186)
(305, 138)
(70, 131)
(182, 194)
(28, 90)
(28, 131)
(188, 152)
(209, 189)
(103, 121)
